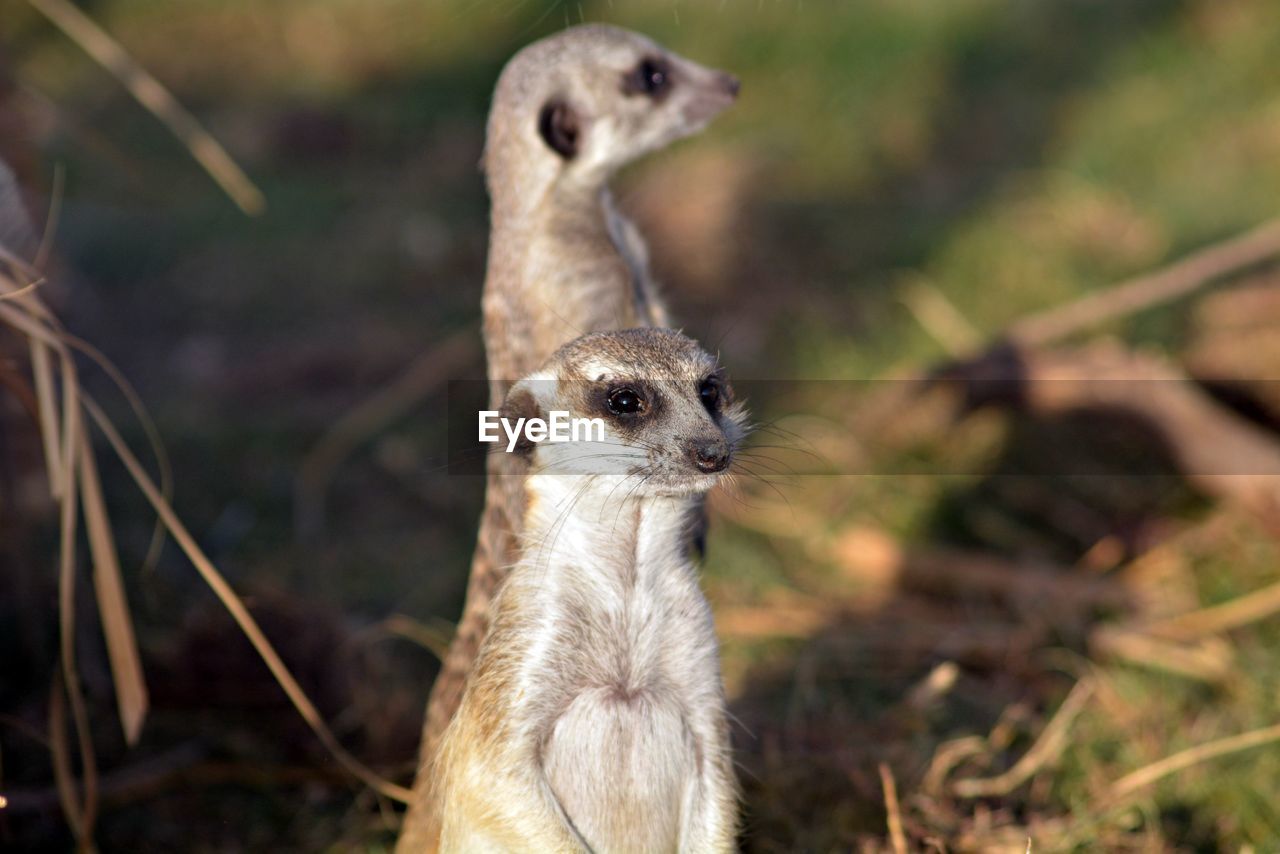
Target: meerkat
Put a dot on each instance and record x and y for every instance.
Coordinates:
(595, 718)
(567, 113)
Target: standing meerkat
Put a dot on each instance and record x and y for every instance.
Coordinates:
(595, 717)
(567, 113)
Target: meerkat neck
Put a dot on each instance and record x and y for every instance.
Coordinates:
(571, 225)
(520, 211)
(574, 524)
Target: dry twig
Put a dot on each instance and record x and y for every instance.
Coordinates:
(1136, 780)
(940, 318)
(435, 639)
(1225, 616)
(1133, 295)
(1050, 744)
(1210, 660)
(892, 811)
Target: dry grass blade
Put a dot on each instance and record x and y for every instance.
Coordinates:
(117, 626)
(948, 755)
(163, 466)
(933, 687)
(64, 775)
(151, 94)
(940, 318)
(45, 249)
(1209, 660)
(893, 813)
(26, 313)
(432, 638)
(77, 475)
(1234, 614)
(71, 437)
(238, 611)
(61, 433)
(1047, 747)
(1134, 781)
(42, 369)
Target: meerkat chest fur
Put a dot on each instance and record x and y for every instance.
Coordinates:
(614, 601)
(620, 650)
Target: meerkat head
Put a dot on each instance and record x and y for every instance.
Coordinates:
(664, 415)
(589, 100)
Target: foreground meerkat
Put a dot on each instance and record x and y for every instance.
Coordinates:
(567, 113)
(595, 717)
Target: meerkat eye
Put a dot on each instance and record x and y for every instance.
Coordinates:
(625, 401)
(651, 77)
(709, 394)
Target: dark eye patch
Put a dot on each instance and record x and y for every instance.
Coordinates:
(625, 401)
(651, 77)
(628, 404)
(709, 394)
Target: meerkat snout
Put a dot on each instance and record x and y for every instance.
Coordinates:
(709, 455)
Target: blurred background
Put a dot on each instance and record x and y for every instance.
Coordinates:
(1019, 598)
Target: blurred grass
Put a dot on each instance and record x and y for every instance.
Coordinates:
(1011, 155)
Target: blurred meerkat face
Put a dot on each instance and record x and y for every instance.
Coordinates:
(668, 421)
(605, 96)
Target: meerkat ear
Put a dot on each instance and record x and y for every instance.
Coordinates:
(522, 403)
(559, 127)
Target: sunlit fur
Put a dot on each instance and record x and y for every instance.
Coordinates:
(595, 717)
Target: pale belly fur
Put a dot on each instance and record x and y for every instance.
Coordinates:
(623, 767)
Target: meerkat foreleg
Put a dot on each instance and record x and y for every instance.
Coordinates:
(510, 810)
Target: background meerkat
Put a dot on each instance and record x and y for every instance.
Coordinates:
(595, 717)
(567, 113)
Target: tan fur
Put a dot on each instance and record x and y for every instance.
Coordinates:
(562, 261)
(595, 717)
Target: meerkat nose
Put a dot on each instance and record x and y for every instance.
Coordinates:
(708, 455)
(731, 84)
